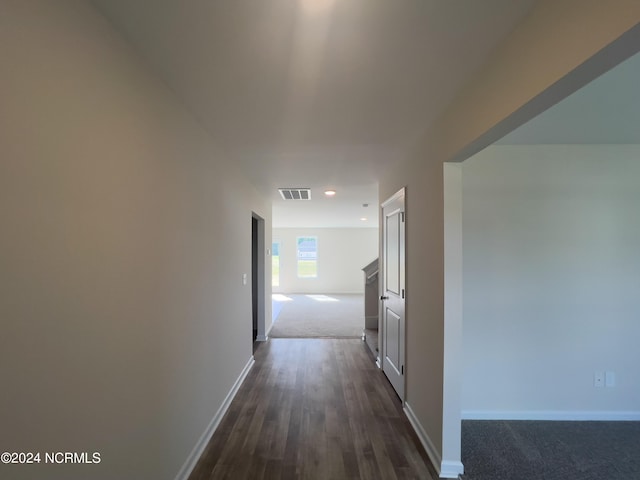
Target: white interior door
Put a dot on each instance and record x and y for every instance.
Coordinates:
(393, 291)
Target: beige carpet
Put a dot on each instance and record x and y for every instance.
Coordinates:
(303, 316)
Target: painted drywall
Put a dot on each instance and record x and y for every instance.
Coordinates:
(424, 309)
(500, 97)
(558, 48)
(453, 308)
(551, 280)
(124, 319)
(342, 254)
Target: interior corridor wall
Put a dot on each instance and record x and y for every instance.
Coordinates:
(342, 254)
(125, 234)
(558, 47)
(551, 281)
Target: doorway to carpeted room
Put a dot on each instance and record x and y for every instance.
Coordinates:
(317, 316)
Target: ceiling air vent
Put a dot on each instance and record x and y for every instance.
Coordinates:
(295, 193)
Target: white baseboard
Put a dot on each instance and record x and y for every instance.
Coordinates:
(195, 454)
(557, 415)
(262, 338)
(266, 334)
(428, 445)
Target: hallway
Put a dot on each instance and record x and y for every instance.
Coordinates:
(314, 409)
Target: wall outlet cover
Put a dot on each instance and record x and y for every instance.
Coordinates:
(598, 379)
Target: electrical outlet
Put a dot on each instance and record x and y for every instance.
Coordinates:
(598, 379)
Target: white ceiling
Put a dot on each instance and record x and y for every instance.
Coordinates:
(315, 93)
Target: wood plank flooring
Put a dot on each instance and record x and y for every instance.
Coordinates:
(314, 409)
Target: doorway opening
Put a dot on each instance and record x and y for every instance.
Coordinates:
(257, 278)
(540, 214)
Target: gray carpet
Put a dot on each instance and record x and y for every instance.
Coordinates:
(304, 316)
(537, 450)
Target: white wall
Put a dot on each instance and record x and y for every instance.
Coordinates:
(123, 316)
(342, 253)
(551, 281)
(453, 308)
(424, 305)
(537, 65)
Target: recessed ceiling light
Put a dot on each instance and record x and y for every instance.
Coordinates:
(364, 219)
(329, 193)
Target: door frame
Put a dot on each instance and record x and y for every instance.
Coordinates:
(400, 194)
(258, 292)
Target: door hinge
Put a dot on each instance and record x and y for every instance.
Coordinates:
(402, 217)
(402, 370)
(403, 293)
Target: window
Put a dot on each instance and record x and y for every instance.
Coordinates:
(307, 255)
(275, 264)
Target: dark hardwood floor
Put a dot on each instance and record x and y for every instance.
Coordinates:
(314, 409)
